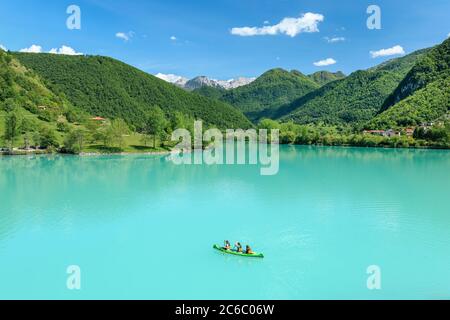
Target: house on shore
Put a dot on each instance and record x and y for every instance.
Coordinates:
(409, 132)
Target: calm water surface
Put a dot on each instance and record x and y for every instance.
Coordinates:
(142, 228)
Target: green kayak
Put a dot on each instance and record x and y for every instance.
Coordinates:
(254, 255)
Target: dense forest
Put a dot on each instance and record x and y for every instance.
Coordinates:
(422, 96)
(109, 88)
(353, 100)
(270, 91)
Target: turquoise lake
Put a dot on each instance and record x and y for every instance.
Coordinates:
(140, 227)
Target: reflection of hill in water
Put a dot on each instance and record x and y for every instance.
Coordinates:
(62, 191)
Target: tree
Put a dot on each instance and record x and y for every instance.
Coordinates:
(75, 140)
(62, 126)
(36, 137)
(116, 131)
(48, 138)
(177, 121)
(9, 105)
(268, 124)
(155, 123)
(12, 128)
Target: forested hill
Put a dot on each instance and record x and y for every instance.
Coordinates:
(21, 88)
(270, 91)
(352, 100)
(435, 65)
(109, 88)
(423, 95)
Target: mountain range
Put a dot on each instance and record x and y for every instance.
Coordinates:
(398, 93)
(203, 81)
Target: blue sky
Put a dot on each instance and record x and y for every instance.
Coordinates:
(204, 43)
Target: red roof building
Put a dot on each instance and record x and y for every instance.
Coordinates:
(98, 119)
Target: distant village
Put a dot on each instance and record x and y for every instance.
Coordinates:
(409, 132)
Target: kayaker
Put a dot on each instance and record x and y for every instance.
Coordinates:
(227, 245)
(248, 250)
(237, 247)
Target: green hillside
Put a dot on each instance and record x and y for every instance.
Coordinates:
(352, 100)
(36, 109)
(324, 77)
(422, 96)
(20, 87)
(210, 92)
(109, 88)
(270, 91)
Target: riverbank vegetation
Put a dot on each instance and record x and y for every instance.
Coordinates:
(437, 136)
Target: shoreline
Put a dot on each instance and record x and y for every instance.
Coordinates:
(94, 154)
(168, 152)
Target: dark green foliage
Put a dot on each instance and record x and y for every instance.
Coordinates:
(48, 138)
(352, 100)
(437, 134)
(425, 105)
(106, 87)
(424, 94)
(433, 66)
(273, 89)
(211, 92)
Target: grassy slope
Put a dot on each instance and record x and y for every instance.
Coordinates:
(24, 91)
(109, 88)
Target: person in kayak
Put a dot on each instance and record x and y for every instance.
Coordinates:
(227, 245)
(248, 250)
(237, 247)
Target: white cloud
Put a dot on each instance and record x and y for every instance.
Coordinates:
(266, 22)
(33, 49)
(396, 50)
(289, 26)
(65, 50)
(125, 36)
(334, 39)
(169, 77)
(326, 62)
(2, 47)
(173, 38)
(448, 36)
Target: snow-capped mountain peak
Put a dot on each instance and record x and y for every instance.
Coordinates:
(203, 81)
(172, 78)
